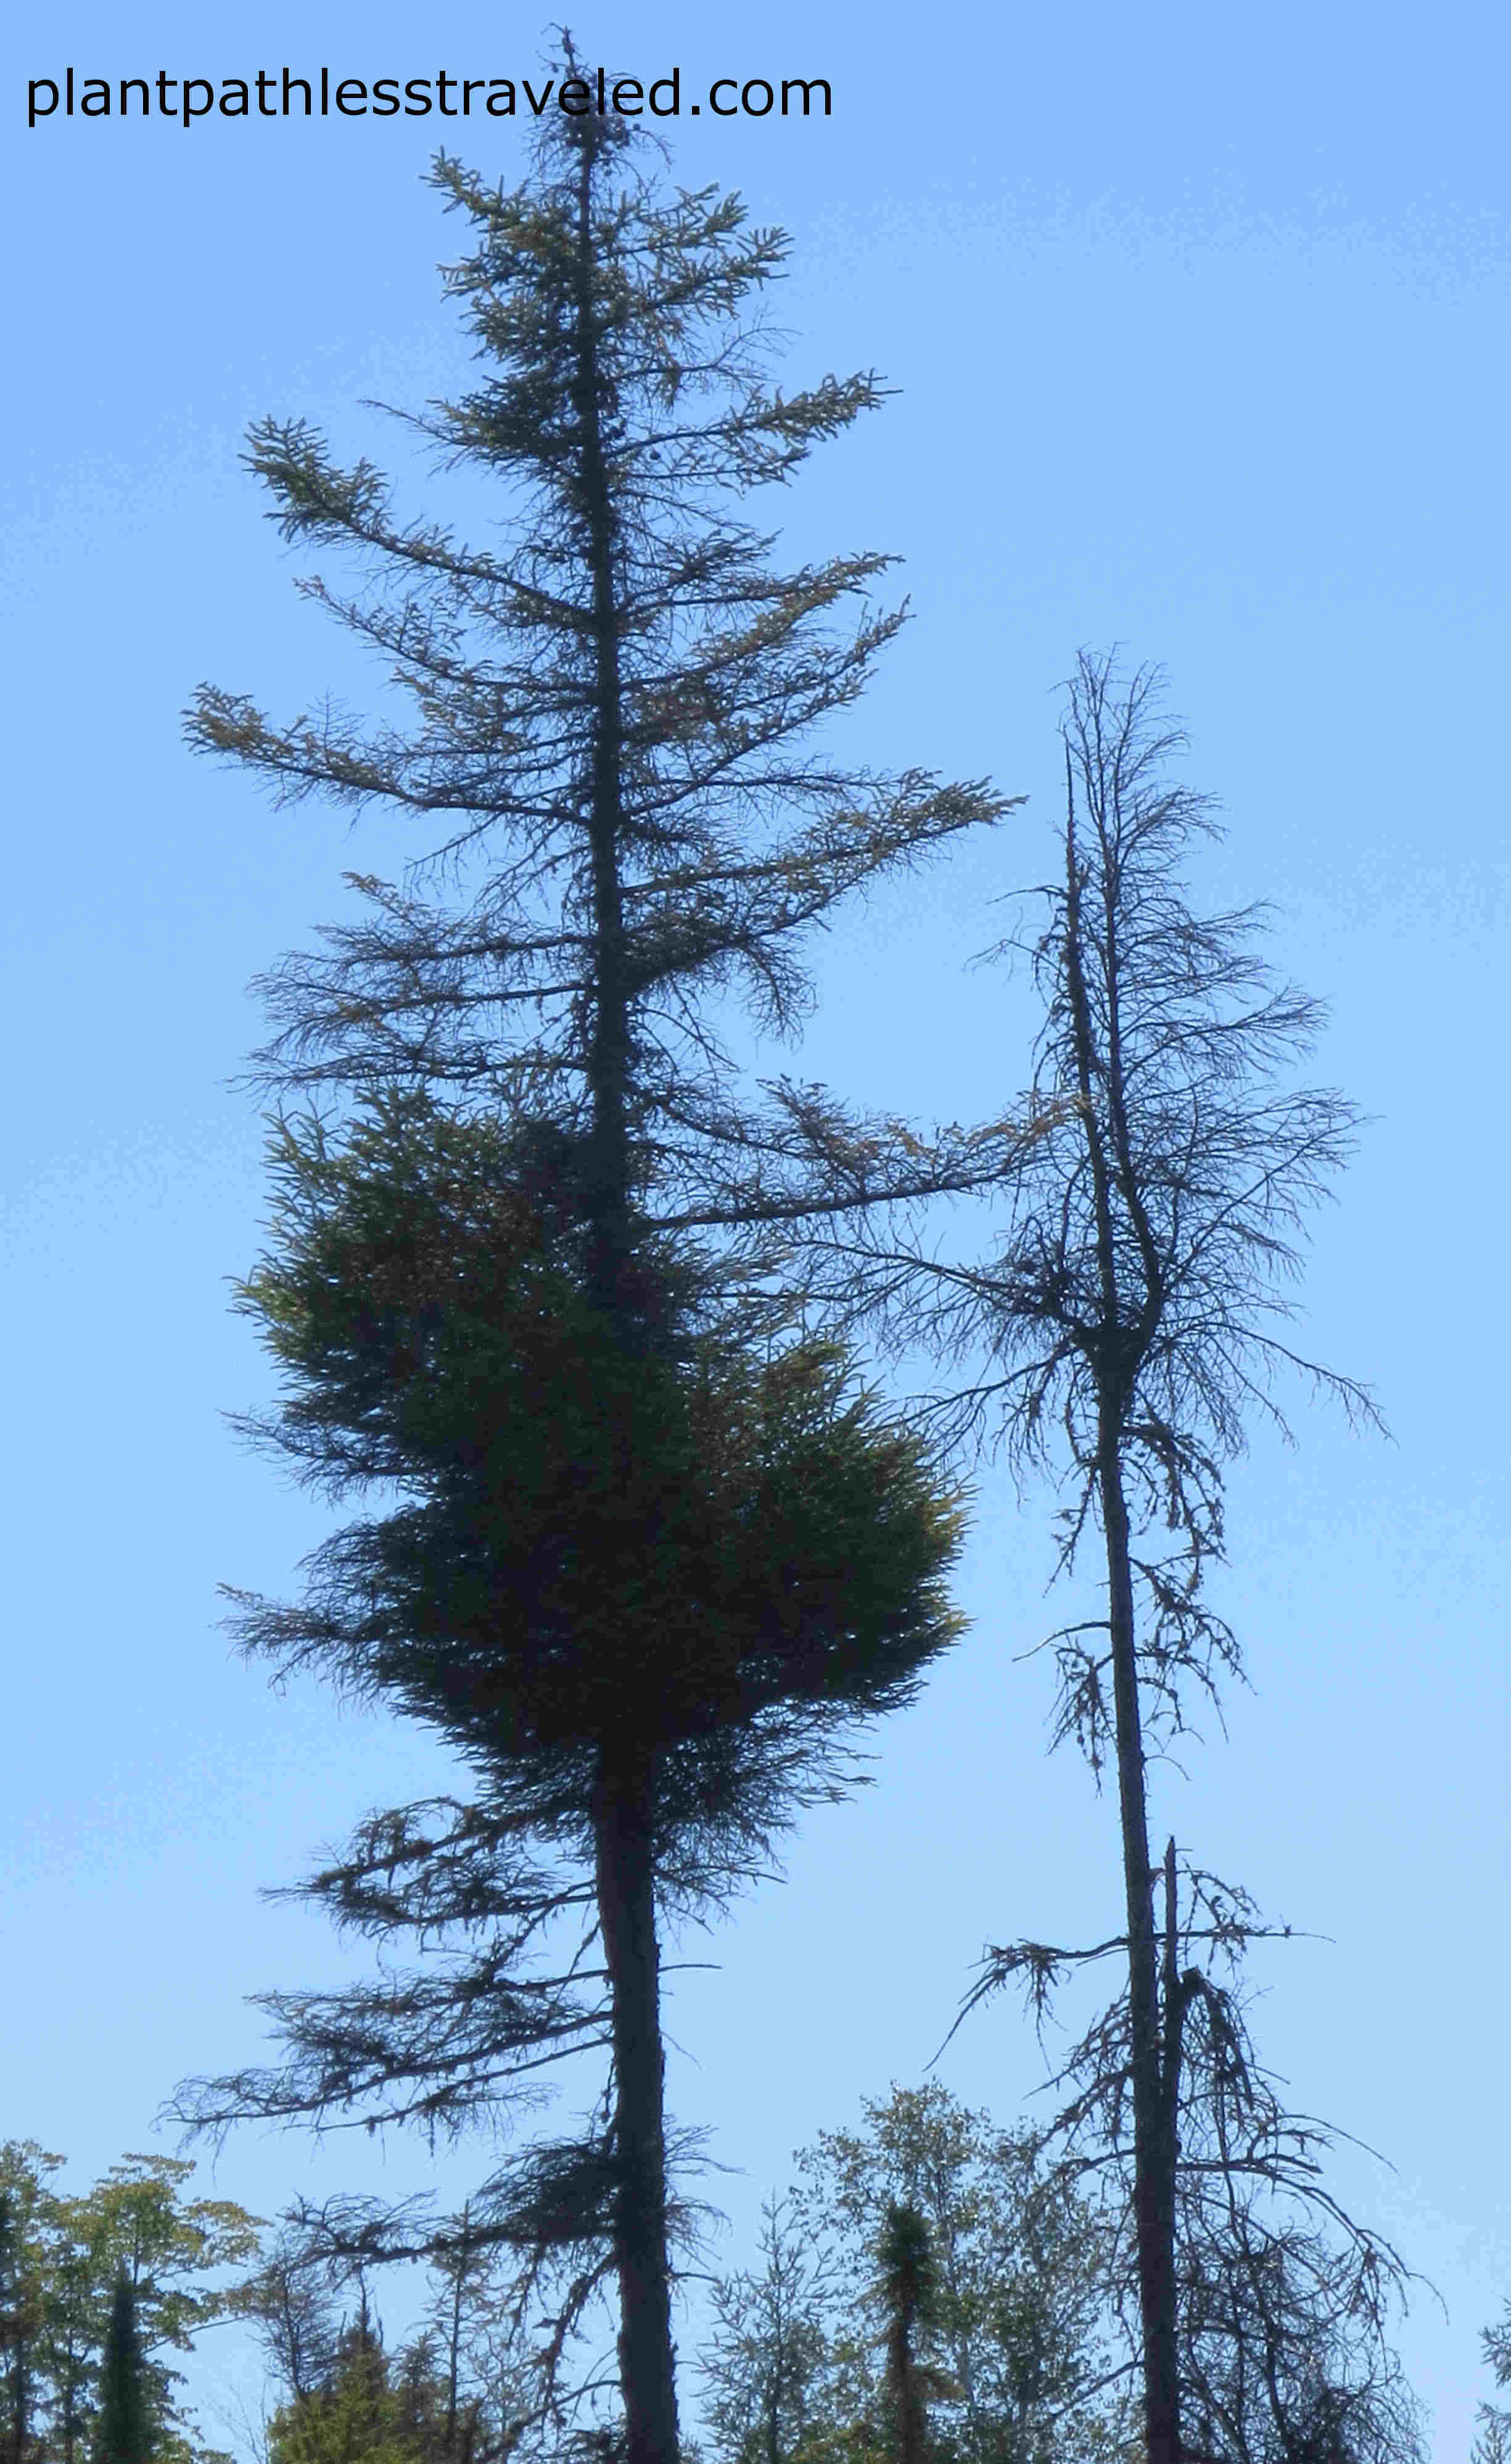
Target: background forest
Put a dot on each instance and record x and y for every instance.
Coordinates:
(1195, 358)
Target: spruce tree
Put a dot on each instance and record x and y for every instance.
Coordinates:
(662, 1549)
(124, 2430)
(643, 1592)
(355, 2414)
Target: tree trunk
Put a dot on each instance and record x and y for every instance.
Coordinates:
(1099, 1078)
(624, 1813)
(608, 1058)
(627, 1901)
(19, 2422)
(910, 2426)
(1153, 2109)
(70, 2405)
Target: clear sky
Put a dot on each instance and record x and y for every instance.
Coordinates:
(1198, 320)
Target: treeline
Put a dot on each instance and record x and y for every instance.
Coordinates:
(577, 1321)
(997, 2321)
(928, 2286)
(63, 2264)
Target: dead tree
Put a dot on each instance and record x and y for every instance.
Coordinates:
(1131, 1321)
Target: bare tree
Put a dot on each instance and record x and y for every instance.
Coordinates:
(1282, 2300)
(1133, 1318)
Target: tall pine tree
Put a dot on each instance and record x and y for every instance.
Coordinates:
(659, 1548)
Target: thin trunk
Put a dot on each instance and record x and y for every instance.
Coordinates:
(623, 1826)
(773, 2384)
(910, 2421)
(1153, 2112)
(626, 1899)
(1176, 1994)
(1153, 2212)
(455, 2342)
(70, 2402)
(19, 2391)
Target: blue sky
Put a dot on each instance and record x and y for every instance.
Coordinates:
(1198, 325)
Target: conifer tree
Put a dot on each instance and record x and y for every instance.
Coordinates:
(1134, 1316)
(1021, 2258)
(125, 2430)
(763, 2366)
(663, 1549)
(355, 2415)
(685, 1563)
(908, 2295)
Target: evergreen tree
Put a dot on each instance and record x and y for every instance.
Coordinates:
(355, 2414)
(1021, 2260)
(138, 2217)
(908, 2295)
(125, 2432)
(688, 1563)
(642, 1598)
(454, 2393)
(767, 2366)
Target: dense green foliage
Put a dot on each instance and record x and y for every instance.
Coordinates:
(704, 1558)
(62, 2262)
(907, 2296)
(696, 1546)
(361, 2408)
(461, 2388)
